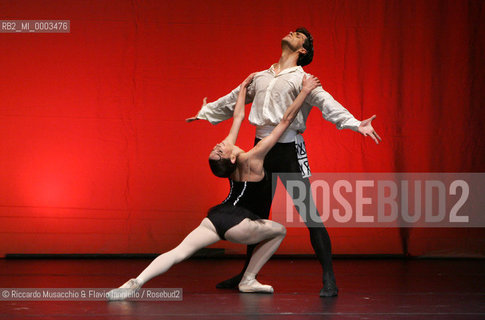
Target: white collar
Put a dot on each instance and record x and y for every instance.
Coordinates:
(287, 70)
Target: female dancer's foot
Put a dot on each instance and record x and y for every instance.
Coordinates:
(252, 285)
(125, 291)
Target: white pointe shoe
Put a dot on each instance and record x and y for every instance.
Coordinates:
(254, 286)
(125, 291)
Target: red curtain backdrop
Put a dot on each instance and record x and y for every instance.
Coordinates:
(95, 156)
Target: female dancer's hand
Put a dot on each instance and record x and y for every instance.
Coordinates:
(309, 83)
(248, 80)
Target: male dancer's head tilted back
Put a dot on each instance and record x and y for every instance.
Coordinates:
(301, 41)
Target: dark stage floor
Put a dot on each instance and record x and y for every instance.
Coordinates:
(369, 289)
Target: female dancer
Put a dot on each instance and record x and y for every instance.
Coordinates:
(234, 219)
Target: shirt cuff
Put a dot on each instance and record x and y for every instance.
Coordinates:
(352, 124)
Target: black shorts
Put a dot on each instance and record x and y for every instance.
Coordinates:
(225, 216)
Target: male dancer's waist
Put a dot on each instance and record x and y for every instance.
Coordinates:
(264, 131)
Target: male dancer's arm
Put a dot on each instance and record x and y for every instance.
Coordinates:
(223, 108)
(238, 114)
(340, 116)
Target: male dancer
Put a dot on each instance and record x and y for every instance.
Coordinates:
(271, 92)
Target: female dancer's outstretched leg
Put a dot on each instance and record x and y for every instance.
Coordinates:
(268, 234)
(205, 234)
(202, 236)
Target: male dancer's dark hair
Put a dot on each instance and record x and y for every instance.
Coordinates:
(305, 59)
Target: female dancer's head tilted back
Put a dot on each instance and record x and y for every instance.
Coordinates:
(222, 159)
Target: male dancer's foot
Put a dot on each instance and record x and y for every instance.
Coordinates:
(329, 286)
(230, 283)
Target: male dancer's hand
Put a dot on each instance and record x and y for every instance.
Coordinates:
(191, 119)
(244, 84)
(366, 129)
(204, 102)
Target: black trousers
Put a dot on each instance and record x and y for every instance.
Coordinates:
(282, 158)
